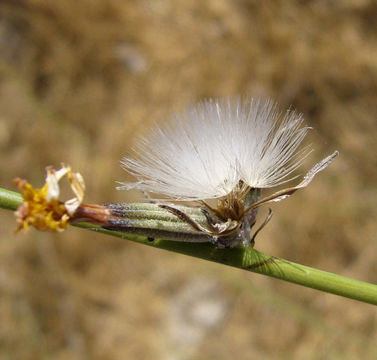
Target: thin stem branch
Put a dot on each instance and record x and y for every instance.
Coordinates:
(243, 258)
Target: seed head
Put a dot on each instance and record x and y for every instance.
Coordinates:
(213, 147)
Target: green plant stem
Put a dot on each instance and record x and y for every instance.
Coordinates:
(246, 259)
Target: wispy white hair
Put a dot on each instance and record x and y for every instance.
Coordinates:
(206, 151)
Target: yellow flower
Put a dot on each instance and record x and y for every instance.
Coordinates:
(41, 207)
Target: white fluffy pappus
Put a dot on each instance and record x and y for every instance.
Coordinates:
(210, 148)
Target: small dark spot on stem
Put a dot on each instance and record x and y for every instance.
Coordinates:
(150, 238)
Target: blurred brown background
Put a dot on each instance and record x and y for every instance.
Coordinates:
(79, 80)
